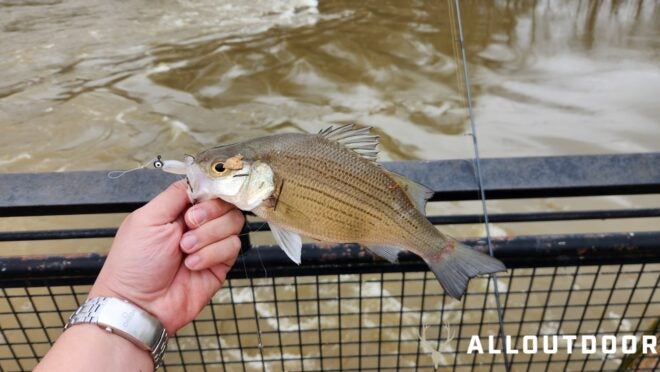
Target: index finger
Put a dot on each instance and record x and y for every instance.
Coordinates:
(167, 206)
(205, 211)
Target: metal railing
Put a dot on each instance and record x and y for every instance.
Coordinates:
(344, 309)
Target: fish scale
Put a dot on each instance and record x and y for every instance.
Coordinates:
(327, 186)
(302, 180)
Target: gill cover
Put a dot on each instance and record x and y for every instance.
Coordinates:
(256, 187)
(234, 179)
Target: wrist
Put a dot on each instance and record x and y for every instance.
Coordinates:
(101, 289)
(105, 288)
(126, 320)
(151, 306)
(87, 347)
(114, 343)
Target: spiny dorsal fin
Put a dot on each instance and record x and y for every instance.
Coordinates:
(356, 139)
(417, 193)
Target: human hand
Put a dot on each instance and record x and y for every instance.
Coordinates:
(146, 263)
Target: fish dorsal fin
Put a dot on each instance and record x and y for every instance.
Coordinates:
(289, 241)
(417, 193)
(356, 139)
(387, 252)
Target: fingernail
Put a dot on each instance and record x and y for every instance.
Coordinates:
(192, 261)
(188, 241)
(198, 216)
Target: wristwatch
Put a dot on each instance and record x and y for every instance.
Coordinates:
(125, 319)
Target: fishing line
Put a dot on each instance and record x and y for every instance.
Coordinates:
(262, 263)
(477, 161)
(116, 174)
(249, 175)
(256, 311)
(254, 295)
(251, 230)
(263, 266)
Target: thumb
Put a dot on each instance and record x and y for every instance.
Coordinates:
(167, 206)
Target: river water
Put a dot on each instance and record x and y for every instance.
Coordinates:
(90, 85)
(108, 85)
(97, 85)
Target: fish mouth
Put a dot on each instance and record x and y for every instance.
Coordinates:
(190, 191)
(198, 183)
(189, 160)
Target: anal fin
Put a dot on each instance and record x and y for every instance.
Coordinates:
(385, 251)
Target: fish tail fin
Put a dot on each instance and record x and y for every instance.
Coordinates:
(457, 263)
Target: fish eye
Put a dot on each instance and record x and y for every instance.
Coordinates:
(219, 168)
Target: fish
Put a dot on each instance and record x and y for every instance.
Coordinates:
(329, 187)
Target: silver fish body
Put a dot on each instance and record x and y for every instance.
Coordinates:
(328, 186)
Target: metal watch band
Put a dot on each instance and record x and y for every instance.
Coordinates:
(125, 319)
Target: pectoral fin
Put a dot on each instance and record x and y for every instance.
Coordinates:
(387, 252)
(289, 241)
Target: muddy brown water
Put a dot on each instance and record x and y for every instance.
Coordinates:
(108, 85)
